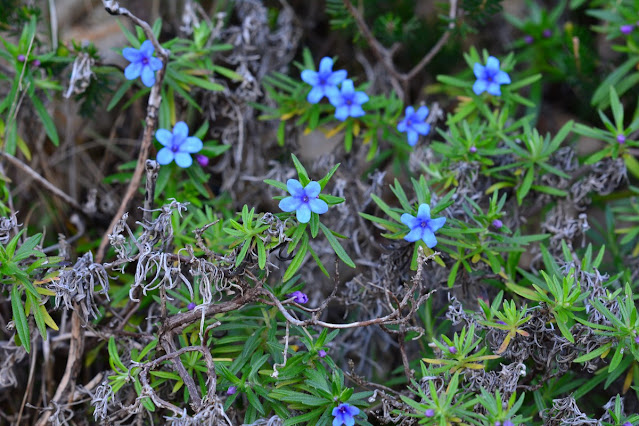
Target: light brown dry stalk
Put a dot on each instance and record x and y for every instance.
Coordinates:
(38, 178)
(385, 56)
(114, 8)
(74, 362)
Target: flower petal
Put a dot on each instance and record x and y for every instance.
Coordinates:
(423, 213)
(435, 224)
(318, 206)
(501, 78)
(409, 111)
(147, 48)
(303, 213)
(164, 137)
(492, 64)
(181, 130)
(336, 77)
(133, 70)
(148, 76)
(294, 187)
(480, 87)
(312, 189)
(479, 71)
(326, 65)
(422, 113)
(191, 145)
(131, 54)
(360, 98)
(341, 112)
(412, 137)
(357, 111)
(315, 95)
(310, 77)
(165, 156)
(155, 64)
(331, 91)
(401, 126)
(414, 234)
(347, 86)
(409, 220)
(290, 204)
(429, 238)
(421, 128)
(352, 410)
(183, 159)
(494, 89)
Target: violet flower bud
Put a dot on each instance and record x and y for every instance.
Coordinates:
(497, 223)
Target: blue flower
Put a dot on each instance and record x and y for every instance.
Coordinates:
(324, 82)
(303, 200)
(422, 227)
(489, 77)
(344, 414)
(414, 124)
(143, 63)
(178, 145)
(348, 102)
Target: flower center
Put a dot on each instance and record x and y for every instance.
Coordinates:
(349, 102)
(145, 61)
(409, 122)
(175, 147)
(322, 81)
(424, 224)
(342, 410)
(305, 199)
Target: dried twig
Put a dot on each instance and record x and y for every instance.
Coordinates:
(385, 55)
(114, 8)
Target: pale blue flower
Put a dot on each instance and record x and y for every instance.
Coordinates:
(348, 102)
(303, 200)
(178, 145)
(324, 82)
(489, 77)
(422, 227)
(143, 63)
(344, 414)
(414, 124)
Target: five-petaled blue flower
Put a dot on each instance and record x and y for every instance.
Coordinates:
(348, 102)
(414, 124)
(422, 227)
(143, 63)
(178, 145)
(324, 82)
(303, 200)
(344, 414)
(489, 77)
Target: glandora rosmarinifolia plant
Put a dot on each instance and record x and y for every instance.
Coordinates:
(345, 414)
(324, 81)
(303, 200)
(489, 77)
(422, 227)
(178, 145)
(414, 124)
(348, 102)
(143, 63)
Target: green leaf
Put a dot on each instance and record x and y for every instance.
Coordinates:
(301, 171)
(47, 121)
(339, 250)
(298, 259)
(19, 318)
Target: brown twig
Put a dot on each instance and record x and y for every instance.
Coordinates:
(42, 181)
(74, 362)
(114, 8)
(385, 56)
